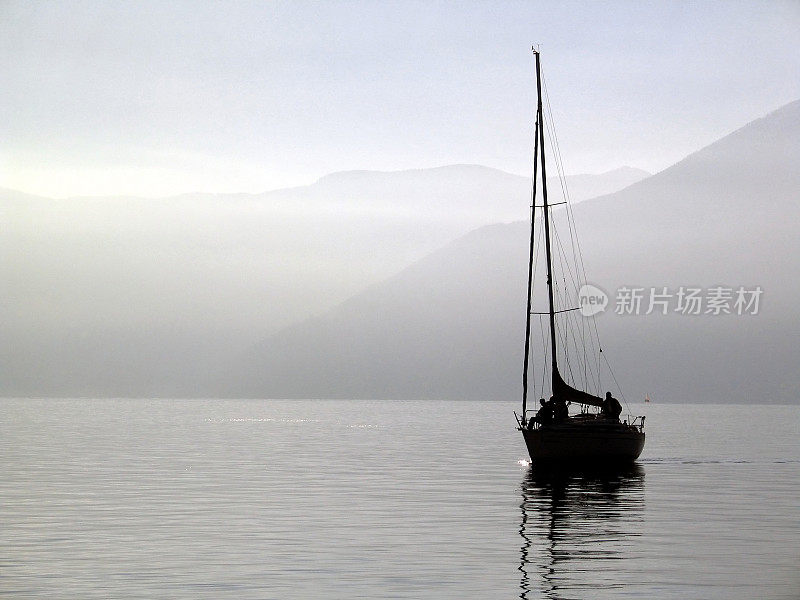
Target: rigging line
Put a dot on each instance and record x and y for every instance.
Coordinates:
(567, 355)
(553, 134)
(538, 245)
(536, 252)
(599, 382)
(573, 333)
(556, 312)
(575, 243)
(581, 265)
(576, 276)
(570, 215)
(569, 328)
(577, 325)
(548, 366)
(593, 375)
(593, 337)
(555, 144)
(562, 327)
(588, 374)
(599, 348)
(526, 360)
(565, 333)
(573, 329)
(586, 366)
(545, 349)
(574, 280)
(563, 262)
(559, 165)
(576, 342)
(564, 336)
(570, 334)
(619, 389)
(578, 328)
(572, 226)
(535, 380)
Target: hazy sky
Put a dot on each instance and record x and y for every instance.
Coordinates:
(156, 98)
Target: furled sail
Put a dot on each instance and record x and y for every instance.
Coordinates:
(561, 389)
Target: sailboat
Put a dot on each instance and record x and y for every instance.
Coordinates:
(553, 434)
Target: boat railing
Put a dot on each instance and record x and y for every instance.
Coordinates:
(637, 422)
(525, 422)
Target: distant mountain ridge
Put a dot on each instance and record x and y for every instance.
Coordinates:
(195, 296)
(450, 326)
(146, 296)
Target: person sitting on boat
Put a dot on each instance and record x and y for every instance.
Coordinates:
(560, 410)
(544, 416)
(611, 407)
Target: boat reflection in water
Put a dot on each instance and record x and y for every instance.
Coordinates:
(578, 529)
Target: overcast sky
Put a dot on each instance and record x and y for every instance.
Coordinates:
(157, 98)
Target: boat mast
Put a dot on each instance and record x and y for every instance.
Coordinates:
(530, 273)
(546, 212)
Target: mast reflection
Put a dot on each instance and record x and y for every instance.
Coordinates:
(572, 523)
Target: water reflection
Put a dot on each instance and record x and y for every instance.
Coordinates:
(574, 526)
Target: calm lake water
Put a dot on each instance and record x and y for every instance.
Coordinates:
(357, 499)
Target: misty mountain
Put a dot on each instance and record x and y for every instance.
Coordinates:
(452, 324)
(133, 296)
